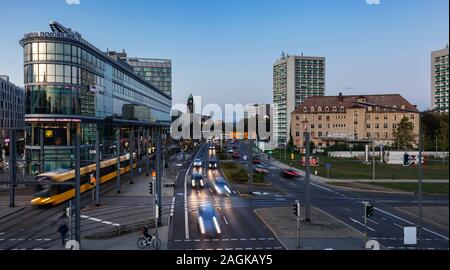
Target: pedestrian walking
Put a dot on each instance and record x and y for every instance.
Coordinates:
(63, 229)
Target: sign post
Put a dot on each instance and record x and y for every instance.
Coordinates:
(328, 166)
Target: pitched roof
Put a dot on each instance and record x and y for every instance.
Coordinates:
(389, 100)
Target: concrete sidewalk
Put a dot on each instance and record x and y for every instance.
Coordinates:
(323, 232)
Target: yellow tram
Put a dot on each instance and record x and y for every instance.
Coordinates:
(54, 187)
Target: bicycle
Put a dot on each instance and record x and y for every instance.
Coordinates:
(144, 242)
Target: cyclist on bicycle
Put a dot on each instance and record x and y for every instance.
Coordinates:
(146, 233)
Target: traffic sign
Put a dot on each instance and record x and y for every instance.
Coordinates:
(245, 157)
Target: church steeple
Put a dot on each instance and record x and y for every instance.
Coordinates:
(190, 104)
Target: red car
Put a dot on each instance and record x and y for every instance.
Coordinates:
(236, 156)
(256, 160)
(290, 173)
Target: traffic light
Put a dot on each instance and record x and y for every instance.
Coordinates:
(150, 187)
(296, 208)
(369, 210)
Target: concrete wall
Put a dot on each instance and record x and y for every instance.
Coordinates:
(390, 157)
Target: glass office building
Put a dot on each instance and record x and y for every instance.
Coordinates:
(71, 84)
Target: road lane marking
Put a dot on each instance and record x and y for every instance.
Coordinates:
(252, 239)
(225, 219)
(186, 216)
(357, 222)
(392, 215)
(347, 209)
(371, 220)
(401, 227)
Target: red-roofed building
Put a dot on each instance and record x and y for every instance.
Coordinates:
(332, 119)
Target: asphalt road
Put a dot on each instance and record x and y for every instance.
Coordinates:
(241, 228)
(386, 226)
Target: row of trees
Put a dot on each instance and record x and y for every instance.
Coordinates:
(435, 132)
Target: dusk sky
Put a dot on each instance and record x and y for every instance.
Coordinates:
(224, 50)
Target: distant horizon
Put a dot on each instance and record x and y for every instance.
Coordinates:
(224, 50)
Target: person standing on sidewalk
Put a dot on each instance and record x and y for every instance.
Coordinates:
(63, 229)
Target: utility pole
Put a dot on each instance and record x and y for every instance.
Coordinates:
(97, 166)
(365, 222)
(12, 166)
(250, 165)
(118, 159)
(308, 177)
(297, 215)
(419, 240)
(131, 139)
(158, 175)
(77, 185)
(42, 157)
(147, 143)
(373, 160)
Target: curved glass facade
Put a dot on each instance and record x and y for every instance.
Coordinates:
(65, 76)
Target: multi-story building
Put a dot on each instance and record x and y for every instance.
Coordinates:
(158, 72)
(295, 78)
(332, 119)
(12, 112)
(439, 80)
(71, 88)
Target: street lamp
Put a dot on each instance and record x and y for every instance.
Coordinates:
(420, 157)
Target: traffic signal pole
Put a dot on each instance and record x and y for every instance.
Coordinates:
(308, 177)
(118, 160)
(158, 175)
(97, 166)
(77, 185)
(12, 166)
(365, 224)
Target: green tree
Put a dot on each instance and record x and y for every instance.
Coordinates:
(404, 137)
(443, 133)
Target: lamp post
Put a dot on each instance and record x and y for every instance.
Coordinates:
(419, 233)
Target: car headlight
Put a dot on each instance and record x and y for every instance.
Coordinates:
(202, 225)
(216, 225)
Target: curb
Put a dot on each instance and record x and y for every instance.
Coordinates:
(368, 190)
